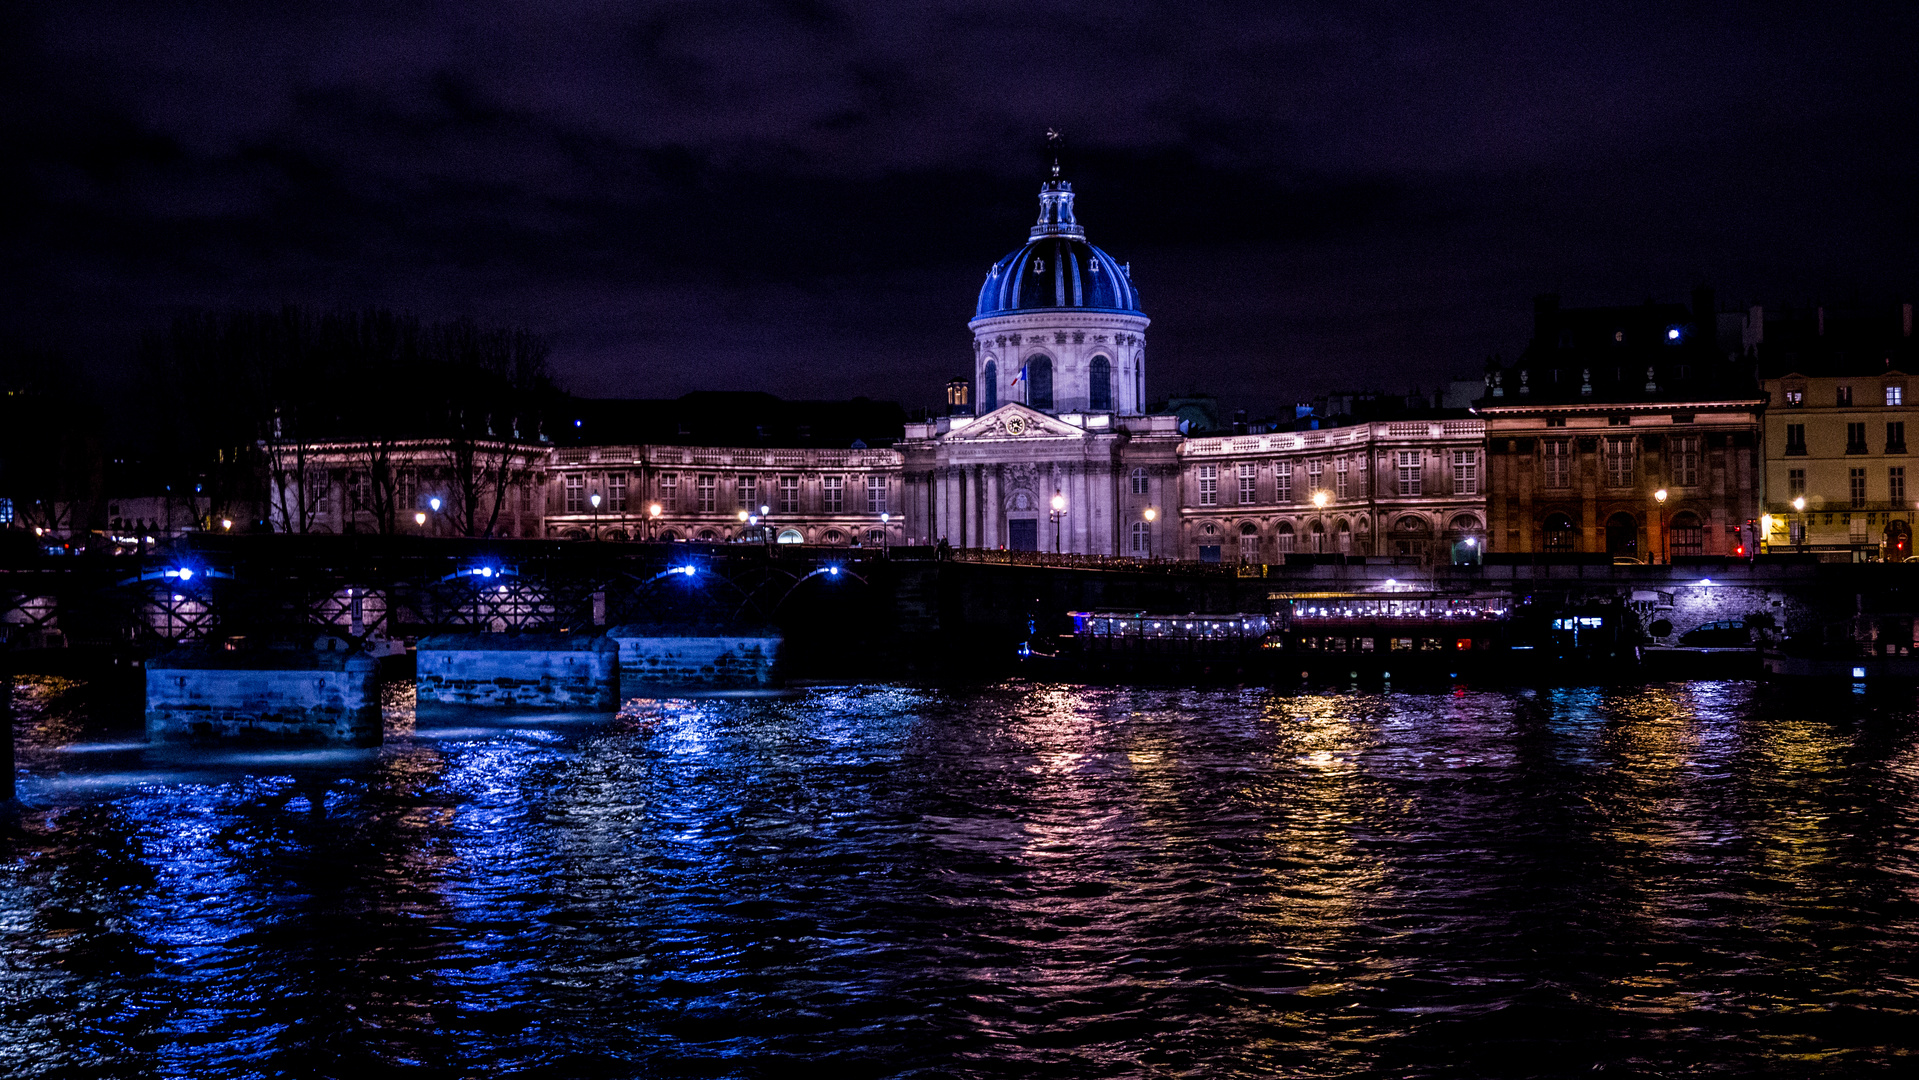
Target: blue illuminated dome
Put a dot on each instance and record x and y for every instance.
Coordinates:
(1057, 268)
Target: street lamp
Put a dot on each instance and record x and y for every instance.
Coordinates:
(433, 504)
(653, 521)
(1151, 514)
(1799, 507)
(595, 500)
(1059, 511)
(1319, 537)
(419, 517)
(1665, 544)
(886, 534)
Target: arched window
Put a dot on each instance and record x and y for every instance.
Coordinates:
(1249, 543)
(669, 536)
(790, 536)
(1343, 533)
(1100, 385)
(1285, 538)
(1685, 535)
(876, 537)
(1319, 537)
(613, 534)
(989, 388)
(833, 536)
(1139, 481)
(1039, 383)
(1622, 536)
(1142, 540)
(1558, 530)
(708, 535)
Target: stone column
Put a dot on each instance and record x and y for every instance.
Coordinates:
(969, 493)
(991, 518)
(1082, 521)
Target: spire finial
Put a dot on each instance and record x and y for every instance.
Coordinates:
(1055, 144)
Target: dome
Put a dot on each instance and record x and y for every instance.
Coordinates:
(1057, 268)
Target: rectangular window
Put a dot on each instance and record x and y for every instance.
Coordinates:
(1856, 438)
(1619, 461)
(359, 492)
(1209, 485)
(616, 492)
(1341, 478)
(789, 494)
(1795, 482)
(319, 486)
(1139, 481)
(1856, 480)
(1465, 472)
(876, 494)
(709, 488)
(1283, 482)
(833, 494)
(1795, 398)
(1896, 484)
(575, 493)
(1896, 437)
(1248, 482)
(1795, 439)
(1844, 396)
(747, 488)
(1684, 461)
(406, 490)
(1409, 478)
(1558, 462)
(1315, 470)
(1142, 545)
(669, 492)
(1895, 395)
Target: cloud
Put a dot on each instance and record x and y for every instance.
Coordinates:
(801, 196)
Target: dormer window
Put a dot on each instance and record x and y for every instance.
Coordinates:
(1039, 266)
(1795, 397)
(1895, 395)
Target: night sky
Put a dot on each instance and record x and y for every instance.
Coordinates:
(804, 197)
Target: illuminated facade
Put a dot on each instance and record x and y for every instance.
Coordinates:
(1410, 488)
(812, 496)
(1607, 408)
(1837, 461)
(1060, 456)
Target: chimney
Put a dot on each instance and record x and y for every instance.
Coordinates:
(1545, 320)
(1704, 308)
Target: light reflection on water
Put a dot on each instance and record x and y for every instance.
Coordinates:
(1008, 881)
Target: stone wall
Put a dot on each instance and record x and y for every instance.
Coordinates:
(538, 671)
(655, 658)
(319, 698)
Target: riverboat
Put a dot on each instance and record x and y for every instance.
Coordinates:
(1136, 644)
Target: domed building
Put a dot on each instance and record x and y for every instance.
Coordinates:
(1058, 326)
(1058, 454)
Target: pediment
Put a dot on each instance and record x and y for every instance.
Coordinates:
(1015, 421)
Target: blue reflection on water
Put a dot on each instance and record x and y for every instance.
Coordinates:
(1006, 881)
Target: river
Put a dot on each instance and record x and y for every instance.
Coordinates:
(1003, 881)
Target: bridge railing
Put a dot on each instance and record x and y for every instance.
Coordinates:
(1072, 561)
